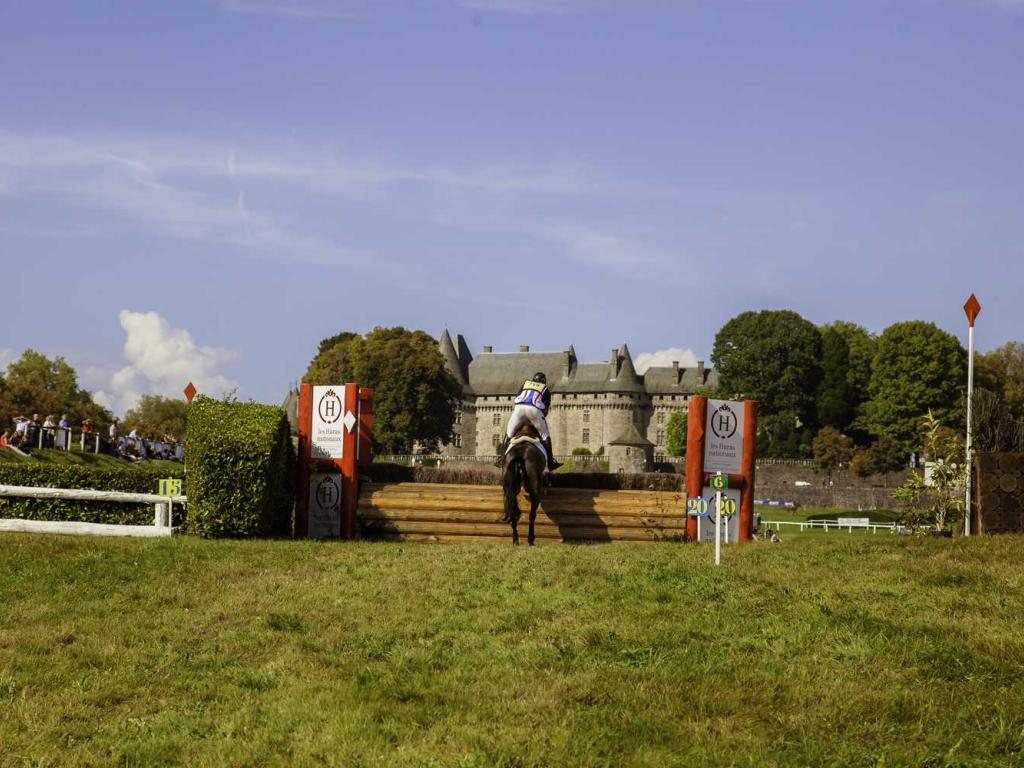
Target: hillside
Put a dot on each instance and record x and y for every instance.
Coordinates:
(8, 456)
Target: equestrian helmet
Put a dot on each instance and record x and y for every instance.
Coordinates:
(540, 378)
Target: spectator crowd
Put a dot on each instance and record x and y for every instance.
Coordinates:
(30, 434)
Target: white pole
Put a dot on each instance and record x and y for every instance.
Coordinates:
(970, 394)
(718, 526)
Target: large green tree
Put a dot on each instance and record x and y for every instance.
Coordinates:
(415, 396)
(36, 384)
(773, 357)
(156, 416)
(847, 351)
(1002, 372)
(917, 367)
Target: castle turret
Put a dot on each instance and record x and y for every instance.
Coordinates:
(451, 358)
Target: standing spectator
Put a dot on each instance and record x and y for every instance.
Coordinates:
(64, 423)
(32, 432)
(5, 438)
(113, 431)
(20, 431)
(49, 431)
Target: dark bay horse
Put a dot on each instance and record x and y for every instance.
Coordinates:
(524, 466)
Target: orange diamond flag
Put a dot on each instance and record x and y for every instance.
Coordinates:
(190, 392)
(972, 309)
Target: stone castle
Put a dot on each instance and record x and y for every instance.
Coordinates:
(593, 405)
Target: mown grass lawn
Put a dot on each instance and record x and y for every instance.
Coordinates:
(819, 652)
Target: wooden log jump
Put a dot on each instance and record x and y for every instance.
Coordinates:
(432, 512)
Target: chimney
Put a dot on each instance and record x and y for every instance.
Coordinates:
(614, 362)
(488, 350)
(524, 347)
(700, 371)
(675, 370)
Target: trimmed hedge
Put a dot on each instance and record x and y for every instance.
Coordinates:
(380, 472)
(241, 469)
(130, 479)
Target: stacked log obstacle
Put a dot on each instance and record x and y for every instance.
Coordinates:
(434, 512)
(1000, 493)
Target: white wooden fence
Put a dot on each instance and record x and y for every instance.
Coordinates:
(828, 525)
(163, 512)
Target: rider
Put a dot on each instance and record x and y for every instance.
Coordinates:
(532, 402)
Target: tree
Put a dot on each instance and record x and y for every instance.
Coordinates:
(835, 398)
(772, 357)
(415, 395)
(675, 433)
(832, 449)
(156, 416)
(1002, 372)
(36, 384)
(917, 367)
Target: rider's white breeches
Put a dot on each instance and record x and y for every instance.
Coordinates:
(527, 414)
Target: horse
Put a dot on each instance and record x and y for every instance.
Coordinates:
(524, 464)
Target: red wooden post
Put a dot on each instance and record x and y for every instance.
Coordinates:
(365, 453)
(695, 456)
(347, 465)
(746, 523)
(302, 466)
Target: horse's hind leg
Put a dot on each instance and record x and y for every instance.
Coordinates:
(515, 532)
(534, 503)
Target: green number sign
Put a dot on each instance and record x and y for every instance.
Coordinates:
(170, 487)
(720, 482)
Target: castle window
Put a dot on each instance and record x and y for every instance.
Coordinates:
(495, 439)
(496, 420)
(661, 417)
(586, 437)
(661, 437)
(458, 416)
(457, 441)
(586, 416)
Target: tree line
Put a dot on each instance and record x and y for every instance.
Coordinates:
(840, 392)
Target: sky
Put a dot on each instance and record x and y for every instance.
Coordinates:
(204, 189)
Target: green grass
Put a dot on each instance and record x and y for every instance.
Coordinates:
(80, 458)
(820, 652)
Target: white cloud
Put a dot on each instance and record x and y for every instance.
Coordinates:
(665, 358)
(162, 360)
(7, 356)
(528, 7)
(292, 9)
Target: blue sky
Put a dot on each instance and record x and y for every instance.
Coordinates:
(203, 189)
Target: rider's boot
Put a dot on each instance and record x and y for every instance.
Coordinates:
(552, 464)
(500, 458)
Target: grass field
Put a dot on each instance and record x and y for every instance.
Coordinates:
(844, 651)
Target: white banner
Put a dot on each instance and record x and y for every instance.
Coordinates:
(723, 437)
(327, 435)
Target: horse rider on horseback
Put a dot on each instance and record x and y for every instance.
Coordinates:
(532, 402)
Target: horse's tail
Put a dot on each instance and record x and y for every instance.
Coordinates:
(513, 482)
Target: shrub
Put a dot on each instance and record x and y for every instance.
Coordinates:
(241, 469)
(129, 479)
(581, 451)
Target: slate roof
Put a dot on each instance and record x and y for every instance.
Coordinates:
(631, 437)
(503, 373)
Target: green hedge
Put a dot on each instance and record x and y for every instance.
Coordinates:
(241, 469)
(129, 479)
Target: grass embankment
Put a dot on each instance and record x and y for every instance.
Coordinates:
(85, 459)
(843, 652)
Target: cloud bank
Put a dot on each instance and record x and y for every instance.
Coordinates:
(161, 361)
(664, 358)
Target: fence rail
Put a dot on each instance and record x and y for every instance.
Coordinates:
(826, 525)
(163, 512)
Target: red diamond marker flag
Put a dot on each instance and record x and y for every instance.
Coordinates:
(190, 392)
(972, 309)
